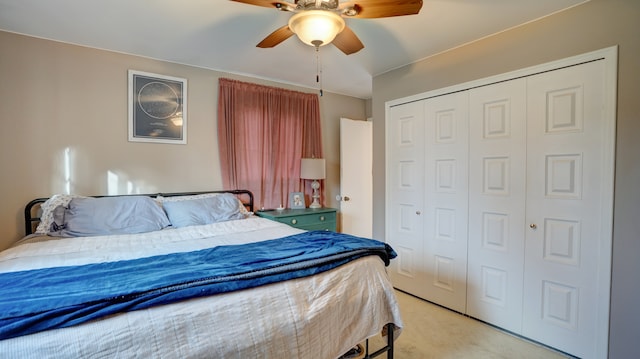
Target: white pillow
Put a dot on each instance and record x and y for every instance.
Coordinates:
(47, 208)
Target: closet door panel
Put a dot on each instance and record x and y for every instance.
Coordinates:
(497, 115)
(405, 193)
(528, 199)
(446, 199)
(563, 276)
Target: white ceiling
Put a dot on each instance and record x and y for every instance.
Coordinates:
(221, 34)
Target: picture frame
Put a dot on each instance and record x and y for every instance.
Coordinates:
(296, 200)
(157, 108)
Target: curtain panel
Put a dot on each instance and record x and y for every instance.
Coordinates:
(263, 132)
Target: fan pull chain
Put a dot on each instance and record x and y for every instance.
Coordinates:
(318, 69)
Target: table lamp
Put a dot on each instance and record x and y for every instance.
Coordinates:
(313, 169)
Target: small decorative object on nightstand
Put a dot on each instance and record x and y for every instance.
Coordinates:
(313, 169)
(322, 219)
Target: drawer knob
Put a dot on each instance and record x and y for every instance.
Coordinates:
(322, 218)
(294, 221)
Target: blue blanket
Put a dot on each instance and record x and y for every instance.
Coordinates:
(37, 300)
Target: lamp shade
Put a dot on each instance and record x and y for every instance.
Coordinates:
(316, 27)
(312, 168)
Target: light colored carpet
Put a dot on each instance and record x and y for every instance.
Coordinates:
(431, 331)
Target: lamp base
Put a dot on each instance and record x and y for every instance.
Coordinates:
(315, 204)
(316, 197)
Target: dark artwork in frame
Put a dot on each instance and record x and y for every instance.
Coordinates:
(157, 108)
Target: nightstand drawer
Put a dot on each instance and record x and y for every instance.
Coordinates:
(307, 218)
(328, 226)
(310, 219)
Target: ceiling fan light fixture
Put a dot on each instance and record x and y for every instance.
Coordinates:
(316, 27)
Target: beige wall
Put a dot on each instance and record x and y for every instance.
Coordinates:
(60, 101)
(592, 26)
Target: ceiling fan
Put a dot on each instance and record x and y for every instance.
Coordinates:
(320, 22)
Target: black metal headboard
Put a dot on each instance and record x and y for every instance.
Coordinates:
(32, 218)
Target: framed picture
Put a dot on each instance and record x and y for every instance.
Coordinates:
(157, 108)
(296, 200)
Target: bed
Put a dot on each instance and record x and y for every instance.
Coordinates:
(74, 288)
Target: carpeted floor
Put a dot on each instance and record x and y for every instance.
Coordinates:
(434, 332)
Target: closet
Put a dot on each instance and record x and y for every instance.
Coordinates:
(499, 199)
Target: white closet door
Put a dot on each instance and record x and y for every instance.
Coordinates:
(446, 199)
(497, 115)
(565, 300)
(405, 193)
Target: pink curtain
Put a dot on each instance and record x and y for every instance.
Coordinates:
(263, 132)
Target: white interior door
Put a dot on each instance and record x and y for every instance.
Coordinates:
(446, 199)
(540, 211)
(497, 169)
(405, 196)
(569, 163)
(356, 177)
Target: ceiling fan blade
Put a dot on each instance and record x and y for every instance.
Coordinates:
(282, 5)
(348, 42)
(276, 37)
(370, 9)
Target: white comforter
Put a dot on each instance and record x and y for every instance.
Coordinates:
(317, 317)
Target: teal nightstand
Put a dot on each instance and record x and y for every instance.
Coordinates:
(304, 218)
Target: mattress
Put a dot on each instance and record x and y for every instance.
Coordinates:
(322, 316)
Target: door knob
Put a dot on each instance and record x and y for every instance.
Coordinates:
(340, 198)
(533, 226)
